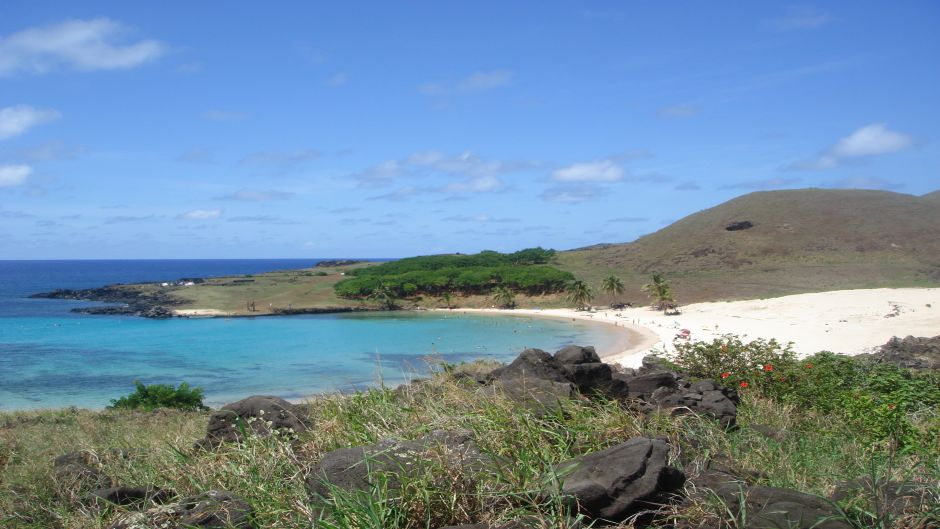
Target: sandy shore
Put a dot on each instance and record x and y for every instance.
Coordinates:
(842, 321)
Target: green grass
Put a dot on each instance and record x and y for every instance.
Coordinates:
(156, 447)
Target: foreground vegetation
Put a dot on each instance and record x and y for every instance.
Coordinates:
(796, 433)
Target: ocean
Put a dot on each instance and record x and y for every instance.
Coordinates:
(51, 357)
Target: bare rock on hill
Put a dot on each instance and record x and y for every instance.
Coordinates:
(615, 483)
(739, 225)
(260, 414)
(357, 468)
(214, 509)
(911, 352)
(76, 476)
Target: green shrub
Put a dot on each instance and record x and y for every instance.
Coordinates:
(879, 400)
(155, 396)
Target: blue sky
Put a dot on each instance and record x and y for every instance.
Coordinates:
(387, 129)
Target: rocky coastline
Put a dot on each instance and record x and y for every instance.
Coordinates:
(129, 301)
(124, 300)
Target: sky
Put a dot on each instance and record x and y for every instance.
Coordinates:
(387, 129)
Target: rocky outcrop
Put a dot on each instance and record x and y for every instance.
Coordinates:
(214, 509)
(911, 352)
(131, 300)
(259, 414)
(765, 507)
(658, 387)
(615, 483)
(537, 378)
(355, 468)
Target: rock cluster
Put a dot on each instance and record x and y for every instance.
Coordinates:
(539, 379)
(911, 352)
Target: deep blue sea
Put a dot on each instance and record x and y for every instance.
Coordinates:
(51, 357)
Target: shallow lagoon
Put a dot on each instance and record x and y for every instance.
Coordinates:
(88, 360)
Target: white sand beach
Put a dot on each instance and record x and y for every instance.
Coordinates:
(843, 321)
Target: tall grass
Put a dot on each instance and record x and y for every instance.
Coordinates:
(157, 448)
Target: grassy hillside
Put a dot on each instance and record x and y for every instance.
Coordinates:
(799, 241)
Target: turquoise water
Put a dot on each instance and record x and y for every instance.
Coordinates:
(50, 357)
(86, 361)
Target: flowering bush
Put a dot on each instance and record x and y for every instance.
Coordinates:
(733, 362)
(879, 400)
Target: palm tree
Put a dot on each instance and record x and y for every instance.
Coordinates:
(384, 295)
(504, 297)
(661, 293)
(579, 294)
(447, 299)
(613, 286)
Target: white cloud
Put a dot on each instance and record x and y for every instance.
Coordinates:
(870, 140)
(474, 83)
(17, 120)
(84, 45)
(14, 175)
(596, 171)
(480, 184)
(201, 214)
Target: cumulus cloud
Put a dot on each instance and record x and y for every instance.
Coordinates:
(84, 45)
(597, 171)
(475, 82)
(201, 214)
(257, 195)
(14, 175)
(18, 119)
(800, 17)
(870, 140)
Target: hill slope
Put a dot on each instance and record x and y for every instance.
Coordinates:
(781, 242)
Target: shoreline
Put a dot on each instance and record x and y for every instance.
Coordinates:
(846, 322)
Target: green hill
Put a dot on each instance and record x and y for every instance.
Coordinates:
(781, 242)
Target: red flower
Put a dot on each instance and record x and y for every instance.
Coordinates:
(744, 384)
(768, 368)
(809, 366)
(891, 406)
(725, 374)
